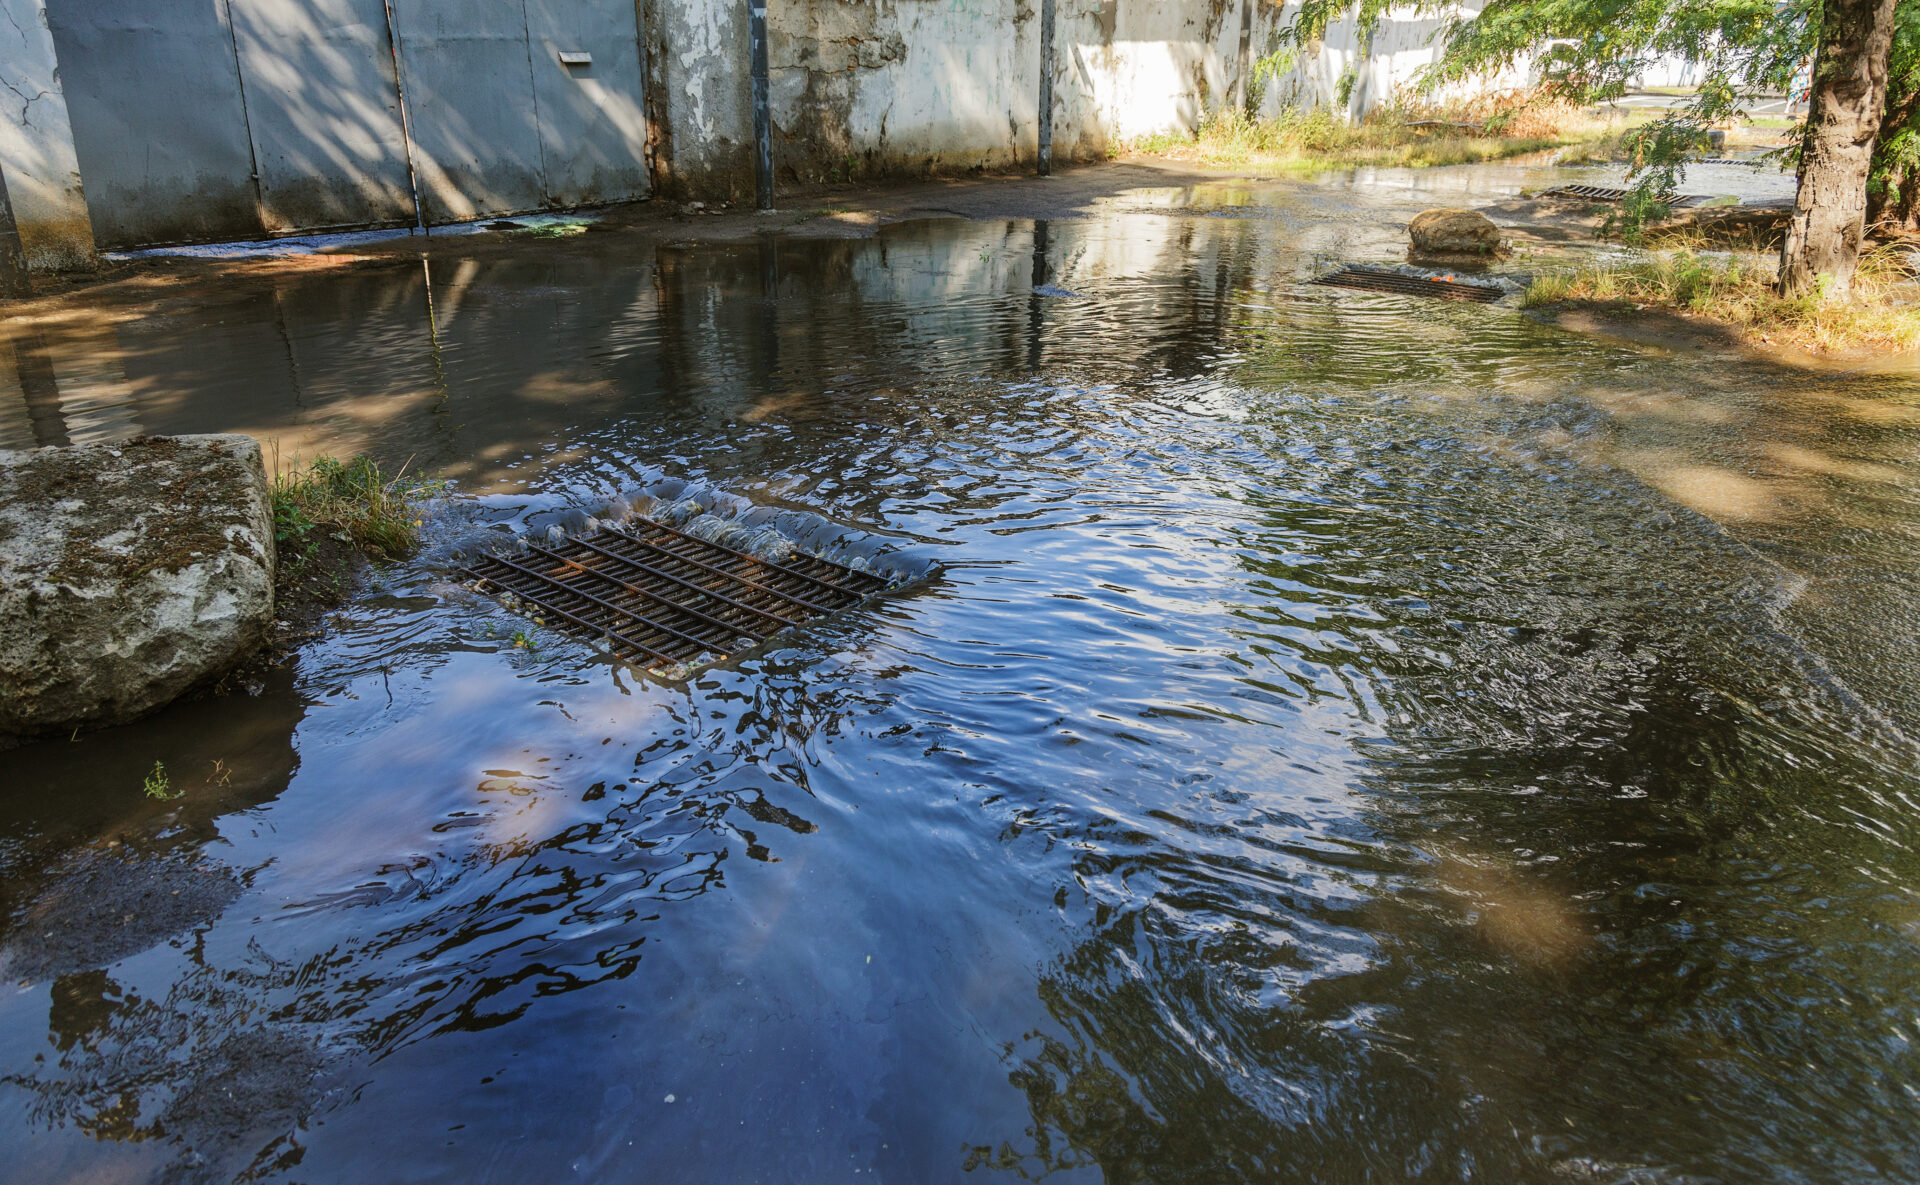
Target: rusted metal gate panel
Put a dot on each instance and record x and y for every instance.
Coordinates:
(587, 87)
(660, 598)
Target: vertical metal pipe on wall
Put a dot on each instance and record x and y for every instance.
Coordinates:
(1046, 88)
(762, 115)
(406, 119)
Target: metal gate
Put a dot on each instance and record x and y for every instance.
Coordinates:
(223, 119)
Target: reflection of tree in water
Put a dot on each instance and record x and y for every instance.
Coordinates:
(1617, 906)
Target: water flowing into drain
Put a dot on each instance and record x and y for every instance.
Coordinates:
(1374, 279)
(663, 599)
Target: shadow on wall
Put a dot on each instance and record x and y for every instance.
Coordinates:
(196, 123)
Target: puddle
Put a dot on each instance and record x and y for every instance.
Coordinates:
(1353, 737)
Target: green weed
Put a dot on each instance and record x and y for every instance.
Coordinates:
(158, 785)
(378, 514)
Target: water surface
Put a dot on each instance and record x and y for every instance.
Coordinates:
(1351, 739)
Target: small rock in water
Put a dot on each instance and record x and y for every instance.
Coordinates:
(1454, 232)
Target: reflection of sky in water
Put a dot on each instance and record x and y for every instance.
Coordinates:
(1339, 745)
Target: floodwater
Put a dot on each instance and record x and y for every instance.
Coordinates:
(1348, 739)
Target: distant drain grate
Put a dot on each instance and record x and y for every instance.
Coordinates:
(660, 597)
(1601, 193)
(1374, 279)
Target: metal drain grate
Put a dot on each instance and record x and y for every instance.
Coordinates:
(1375, 279)
(1600, 193)
(660, 597)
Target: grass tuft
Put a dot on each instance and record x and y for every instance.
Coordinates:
(378, 514)
(1880, 314)
(1401, 134)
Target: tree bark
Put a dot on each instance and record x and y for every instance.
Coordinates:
(1843, 119)
(13, 257)
(1894, 203)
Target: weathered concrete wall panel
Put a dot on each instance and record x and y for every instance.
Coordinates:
(36, 143)
(862, 88)
(158, 123)
(323, 112)
(875, 87)
(699, 110)
(593, 131)
(469, 87)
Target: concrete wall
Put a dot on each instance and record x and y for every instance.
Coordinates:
(699, 109)
(1403, 42)
(871, 88)
(36, 143)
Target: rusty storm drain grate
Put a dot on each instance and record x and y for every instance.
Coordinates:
(1374, 279)
(1601, 193)
(660, 598)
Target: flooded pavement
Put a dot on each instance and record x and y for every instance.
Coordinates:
(1352, 738)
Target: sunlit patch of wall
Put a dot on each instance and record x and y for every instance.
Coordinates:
(1353, 73)
(36, 143)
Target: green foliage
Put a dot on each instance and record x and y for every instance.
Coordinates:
(523, 640)
(376, 513)
(1343, 92)
(1590, 50)
(158, 785)
(1893, 183)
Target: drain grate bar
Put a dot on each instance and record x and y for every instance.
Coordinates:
(660, 597)
(535, 596)
(1602, 193)
(698, 590)
(1373, 279)
(636, 590)
(627, 543)
(583, 600)
(809, 568)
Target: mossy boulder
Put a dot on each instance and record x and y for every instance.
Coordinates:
(1454, 233)
(129, 574)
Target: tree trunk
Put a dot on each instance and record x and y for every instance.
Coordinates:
(1907, 208)
(1843, 118)
(1894, 203)
(13, 258)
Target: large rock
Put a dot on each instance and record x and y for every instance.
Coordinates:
(1453, 232)
(128, 574)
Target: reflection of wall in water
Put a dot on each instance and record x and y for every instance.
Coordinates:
(497, 367)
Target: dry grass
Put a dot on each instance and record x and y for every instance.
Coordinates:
(1394, 135)
(1739, 292)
